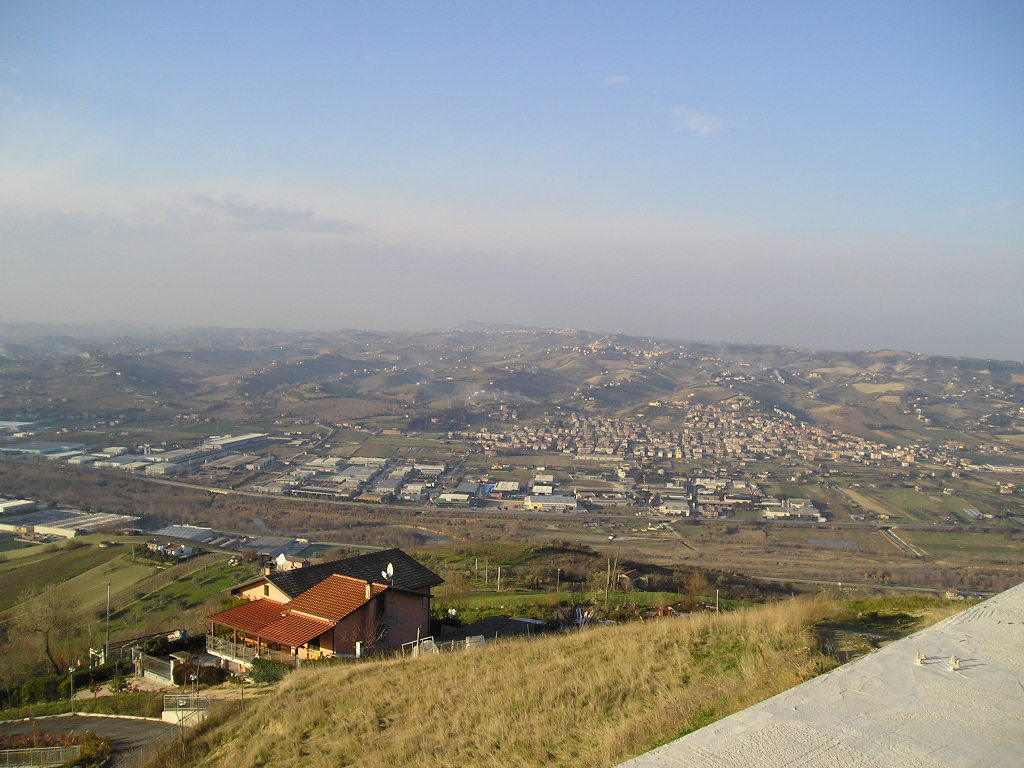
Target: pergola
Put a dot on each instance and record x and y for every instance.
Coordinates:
(265, 629)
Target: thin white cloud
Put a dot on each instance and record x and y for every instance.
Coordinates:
(700, 123)
(615, 80)
(234, 211)
(9, 68)
(1002, 205)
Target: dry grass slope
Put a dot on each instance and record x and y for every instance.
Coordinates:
(592, 698)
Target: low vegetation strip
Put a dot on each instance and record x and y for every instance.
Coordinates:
(136, 704)
(592, 698)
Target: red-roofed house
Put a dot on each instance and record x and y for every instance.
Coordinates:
(328, 612)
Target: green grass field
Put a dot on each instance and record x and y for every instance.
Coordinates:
(53, 566)
(910, 505)
(25, 550)
(9, 545)
(178, 602)
(89, 588)
(986, 547)
(899, 504)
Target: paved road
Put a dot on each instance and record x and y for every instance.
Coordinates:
(862, 584)
(125, 735)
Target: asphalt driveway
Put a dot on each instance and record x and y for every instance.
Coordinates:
(128, 737)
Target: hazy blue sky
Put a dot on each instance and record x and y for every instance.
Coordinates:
(836, 175)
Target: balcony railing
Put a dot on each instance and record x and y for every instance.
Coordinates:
(243, 653)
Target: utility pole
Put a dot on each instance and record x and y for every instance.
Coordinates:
(499, 578)
(607, 585)
(558, 580)
(106, 648)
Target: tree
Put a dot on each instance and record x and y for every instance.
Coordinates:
(697, 585)
(120, 684)
(10, 671)
(45, 613)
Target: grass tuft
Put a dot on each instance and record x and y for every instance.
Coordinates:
(588, 698)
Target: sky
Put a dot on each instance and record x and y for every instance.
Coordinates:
(843, 175)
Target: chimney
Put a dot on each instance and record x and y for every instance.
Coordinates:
(369, 590)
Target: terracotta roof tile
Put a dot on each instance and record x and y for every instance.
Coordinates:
(334, 598)
(250, 617)
(271, 620)
(295, 630)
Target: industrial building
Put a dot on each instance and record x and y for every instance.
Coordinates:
(550, 503)
(64, 523)
(453, 500)
(16, 505)
(250, 441)
(41, 448)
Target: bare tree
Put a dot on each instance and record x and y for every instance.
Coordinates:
(697, 585)
(10, 669)
(46, 614)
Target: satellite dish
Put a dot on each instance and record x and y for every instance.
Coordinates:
(389, 573)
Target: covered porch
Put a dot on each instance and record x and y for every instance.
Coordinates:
(244, 651)
(265, 629)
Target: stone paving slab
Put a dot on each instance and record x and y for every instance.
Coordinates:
(885, 709)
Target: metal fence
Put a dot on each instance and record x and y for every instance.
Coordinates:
(185, 701)
(428, 645)
(159, 668)
(139, 755)
(38, 756)
(241, 652)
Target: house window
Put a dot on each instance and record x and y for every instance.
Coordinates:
(266, 590)
(314, 644)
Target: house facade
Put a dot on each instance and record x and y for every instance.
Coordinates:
(340, 608)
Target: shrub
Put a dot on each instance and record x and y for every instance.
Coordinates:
(120, 684)
(331, 661)
(38, 689)
(95, 751)
(266, 671)
(206, 675)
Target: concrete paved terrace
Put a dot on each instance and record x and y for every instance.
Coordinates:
(888, 708)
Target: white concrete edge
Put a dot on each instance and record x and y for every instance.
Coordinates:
(82, 714)
(654, 754)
